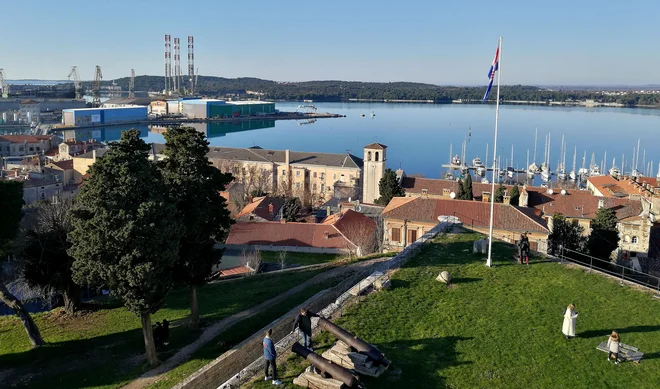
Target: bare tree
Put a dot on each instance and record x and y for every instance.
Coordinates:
(379, 233)
(251, 259)
(255, 179)
(362, 236)
(281, 258)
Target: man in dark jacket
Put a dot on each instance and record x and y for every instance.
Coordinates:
(304, 323)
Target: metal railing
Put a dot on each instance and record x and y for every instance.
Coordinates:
(623, 273)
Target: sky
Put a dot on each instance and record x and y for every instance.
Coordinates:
(578, 42)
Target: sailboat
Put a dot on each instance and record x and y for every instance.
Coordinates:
(484, 169)
(373, 114)
(533, 168)
(561, 175)
(614, 171)
(509, 169)
(572, 175)
(530, 172)
(635, 171)
(583, 173)
(545, 166)
(594, 170)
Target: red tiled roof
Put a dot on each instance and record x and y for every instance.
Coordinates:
(25, 138)
(286, 234)
(64, 165)
(581, 204)
(470, 213)
(234, 271)
(353, 225)
(260, 207)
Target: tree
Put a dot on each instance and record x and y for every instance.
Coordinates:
(43, 249)
(604, 237)
(566, 234)
(126, 232)
(467, 188)
(291, 208)
(11, 204)
(389, 187)
(195, 185)
(461, 191)
(515, 195)
(499, 194)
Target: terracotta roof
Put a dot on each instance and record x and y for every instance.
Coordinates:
(470, 213)
(260, 208)
(286, 234)
(353, 225)
(25, 138)
(64, 165)
(397, 202)
(376, 146)
(608, 186)
(234, 271)
(581, 204)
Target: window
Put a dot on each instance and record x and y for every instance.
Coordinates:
(376, 154)
(314, 175)
(297, 185)
(396, 235)
(298, 173)
(412, 236)
(284, 172)
(341, 178)
(635, 240)
(307, 173)
(31, 148)
(322, 188)
(368, 155)
(322, 176)
(314, 186)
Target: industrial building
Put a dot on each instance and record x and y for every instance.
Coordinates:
(212, 108)
(87, 116)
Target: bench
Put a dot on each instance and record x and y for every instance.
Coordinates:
(626, 352)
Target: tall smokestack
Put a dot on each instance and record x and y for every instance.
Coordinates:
(177, 65)
(168, 62)
(191, 63)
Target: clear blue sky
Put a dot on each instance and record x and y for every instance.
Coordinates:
(441, 42)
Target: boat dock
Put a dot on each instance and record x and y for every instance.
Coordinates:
(468, 167)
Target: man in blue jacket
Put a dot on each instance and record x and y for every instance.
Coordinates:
(304, 323)
(271, 356)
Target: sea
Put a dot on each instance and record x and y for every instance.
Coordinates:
(419, 137)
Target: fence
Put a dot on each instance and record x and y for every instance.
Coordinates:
(624, 273)
(217, 373)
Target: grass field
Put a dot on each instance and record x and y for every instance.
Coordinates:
(103, 348)
(499, 327)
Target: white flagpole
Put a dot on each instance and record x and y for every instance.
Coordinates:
(489, 261)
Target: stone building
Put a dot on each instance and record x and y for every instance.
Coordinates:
(375, 156)
(20, 145)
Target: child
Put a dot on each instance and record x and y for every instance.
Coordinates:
(271, 356)
(568, 328)
(613, 344)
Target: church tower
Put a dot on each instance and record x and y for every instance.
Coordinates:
(375, 156)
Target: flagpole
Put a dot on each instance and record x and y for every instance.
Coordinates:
(489, 261)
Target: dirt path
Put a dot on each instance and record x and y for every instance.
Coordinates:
(217, 328)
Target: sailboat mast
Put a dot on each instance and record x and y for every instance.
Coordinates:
(574, 157)
(637, 156)
(512, 156)
(644, 161)
(527, 158)
(486, 157)
(549, 143)
(584, 158)
(604, 163)
(535, 138)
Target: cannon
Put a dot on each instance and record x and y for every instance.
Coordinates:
(337, 372)
(362, 347)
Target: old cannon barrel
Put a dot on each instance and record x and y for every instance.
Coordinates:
(337, 372)
(360, 345)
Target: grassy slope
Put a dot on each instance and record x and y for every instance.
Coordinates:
(104, 348)
(500, 327)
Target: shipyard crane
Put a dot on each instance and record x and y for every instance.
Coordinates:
(77, 83)
(131, 85)
(3, 84)
(96, 88)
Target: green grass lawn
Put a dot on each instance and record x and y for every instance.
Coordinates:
(499, 327)
(104, 348)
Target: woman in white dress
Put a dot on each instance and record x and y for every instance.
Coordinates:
(568, 329)
(613, 344)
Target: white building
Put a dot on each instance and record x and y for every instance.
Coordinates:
(374, 169)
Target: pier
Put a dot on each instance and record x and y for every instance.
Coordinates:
(488, 169)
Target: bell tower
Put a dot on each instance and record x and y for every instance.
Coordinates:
(375, 156)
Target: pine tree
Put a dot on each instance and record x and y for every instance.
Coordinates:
(389, 187)
(467, 188)
(291, 208)
(195, 186)
(515, 195)
(566, 234)
(499, 194)
(461, 191)
(604, 236)
(11, 206)
(126, 232)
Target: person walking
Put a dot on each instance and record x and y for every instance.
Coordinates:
(523, 249)
(304, 323)
(613, 344)
(271, 357)
(570, 316)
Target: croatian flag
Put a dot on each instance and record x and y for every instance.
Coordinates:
(491, 73)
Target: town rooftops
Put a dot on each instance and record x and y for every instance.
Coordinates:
(25, 138)
(90, 154)
(64, 165)
(582, 205)
(470, 213)
(257, 154)
(264, 207)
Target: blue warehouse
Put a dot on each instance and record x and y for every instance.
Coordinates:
(98, 116)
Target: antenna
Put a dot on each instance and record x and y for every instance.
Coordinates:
(77, 84)
(168, 62)
(191, 63)
(131, 85)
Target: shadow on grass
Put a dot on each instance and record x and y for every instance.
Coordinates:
(465, 280)
(622, 331)
(418, 363)
(655, 355)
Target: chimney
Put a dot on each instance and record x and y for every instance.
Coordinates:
(325, 235)
(282, 221)
(485, 197)
(507, 199)
(446, 192)
(270, 208)
(328, 211)
(601, 203)
(94, 155)
(287, 156)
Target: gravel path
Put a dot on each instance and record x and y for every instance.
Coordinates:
(217, 328)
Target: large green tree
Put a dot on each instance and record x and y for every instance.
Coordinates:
(195, 186)
(11, 206)
(389, 187)
(604, 236)
(499, 193)
(467, 187)
(43, 249)
(566, 234)
(460, 194)
(126, 232)
(515, 195)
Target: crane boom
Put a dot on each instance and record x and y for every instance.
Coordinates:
(77, 83)
(97, 87)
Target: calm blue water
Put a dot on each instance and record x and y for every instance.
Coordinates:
(418, 136)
